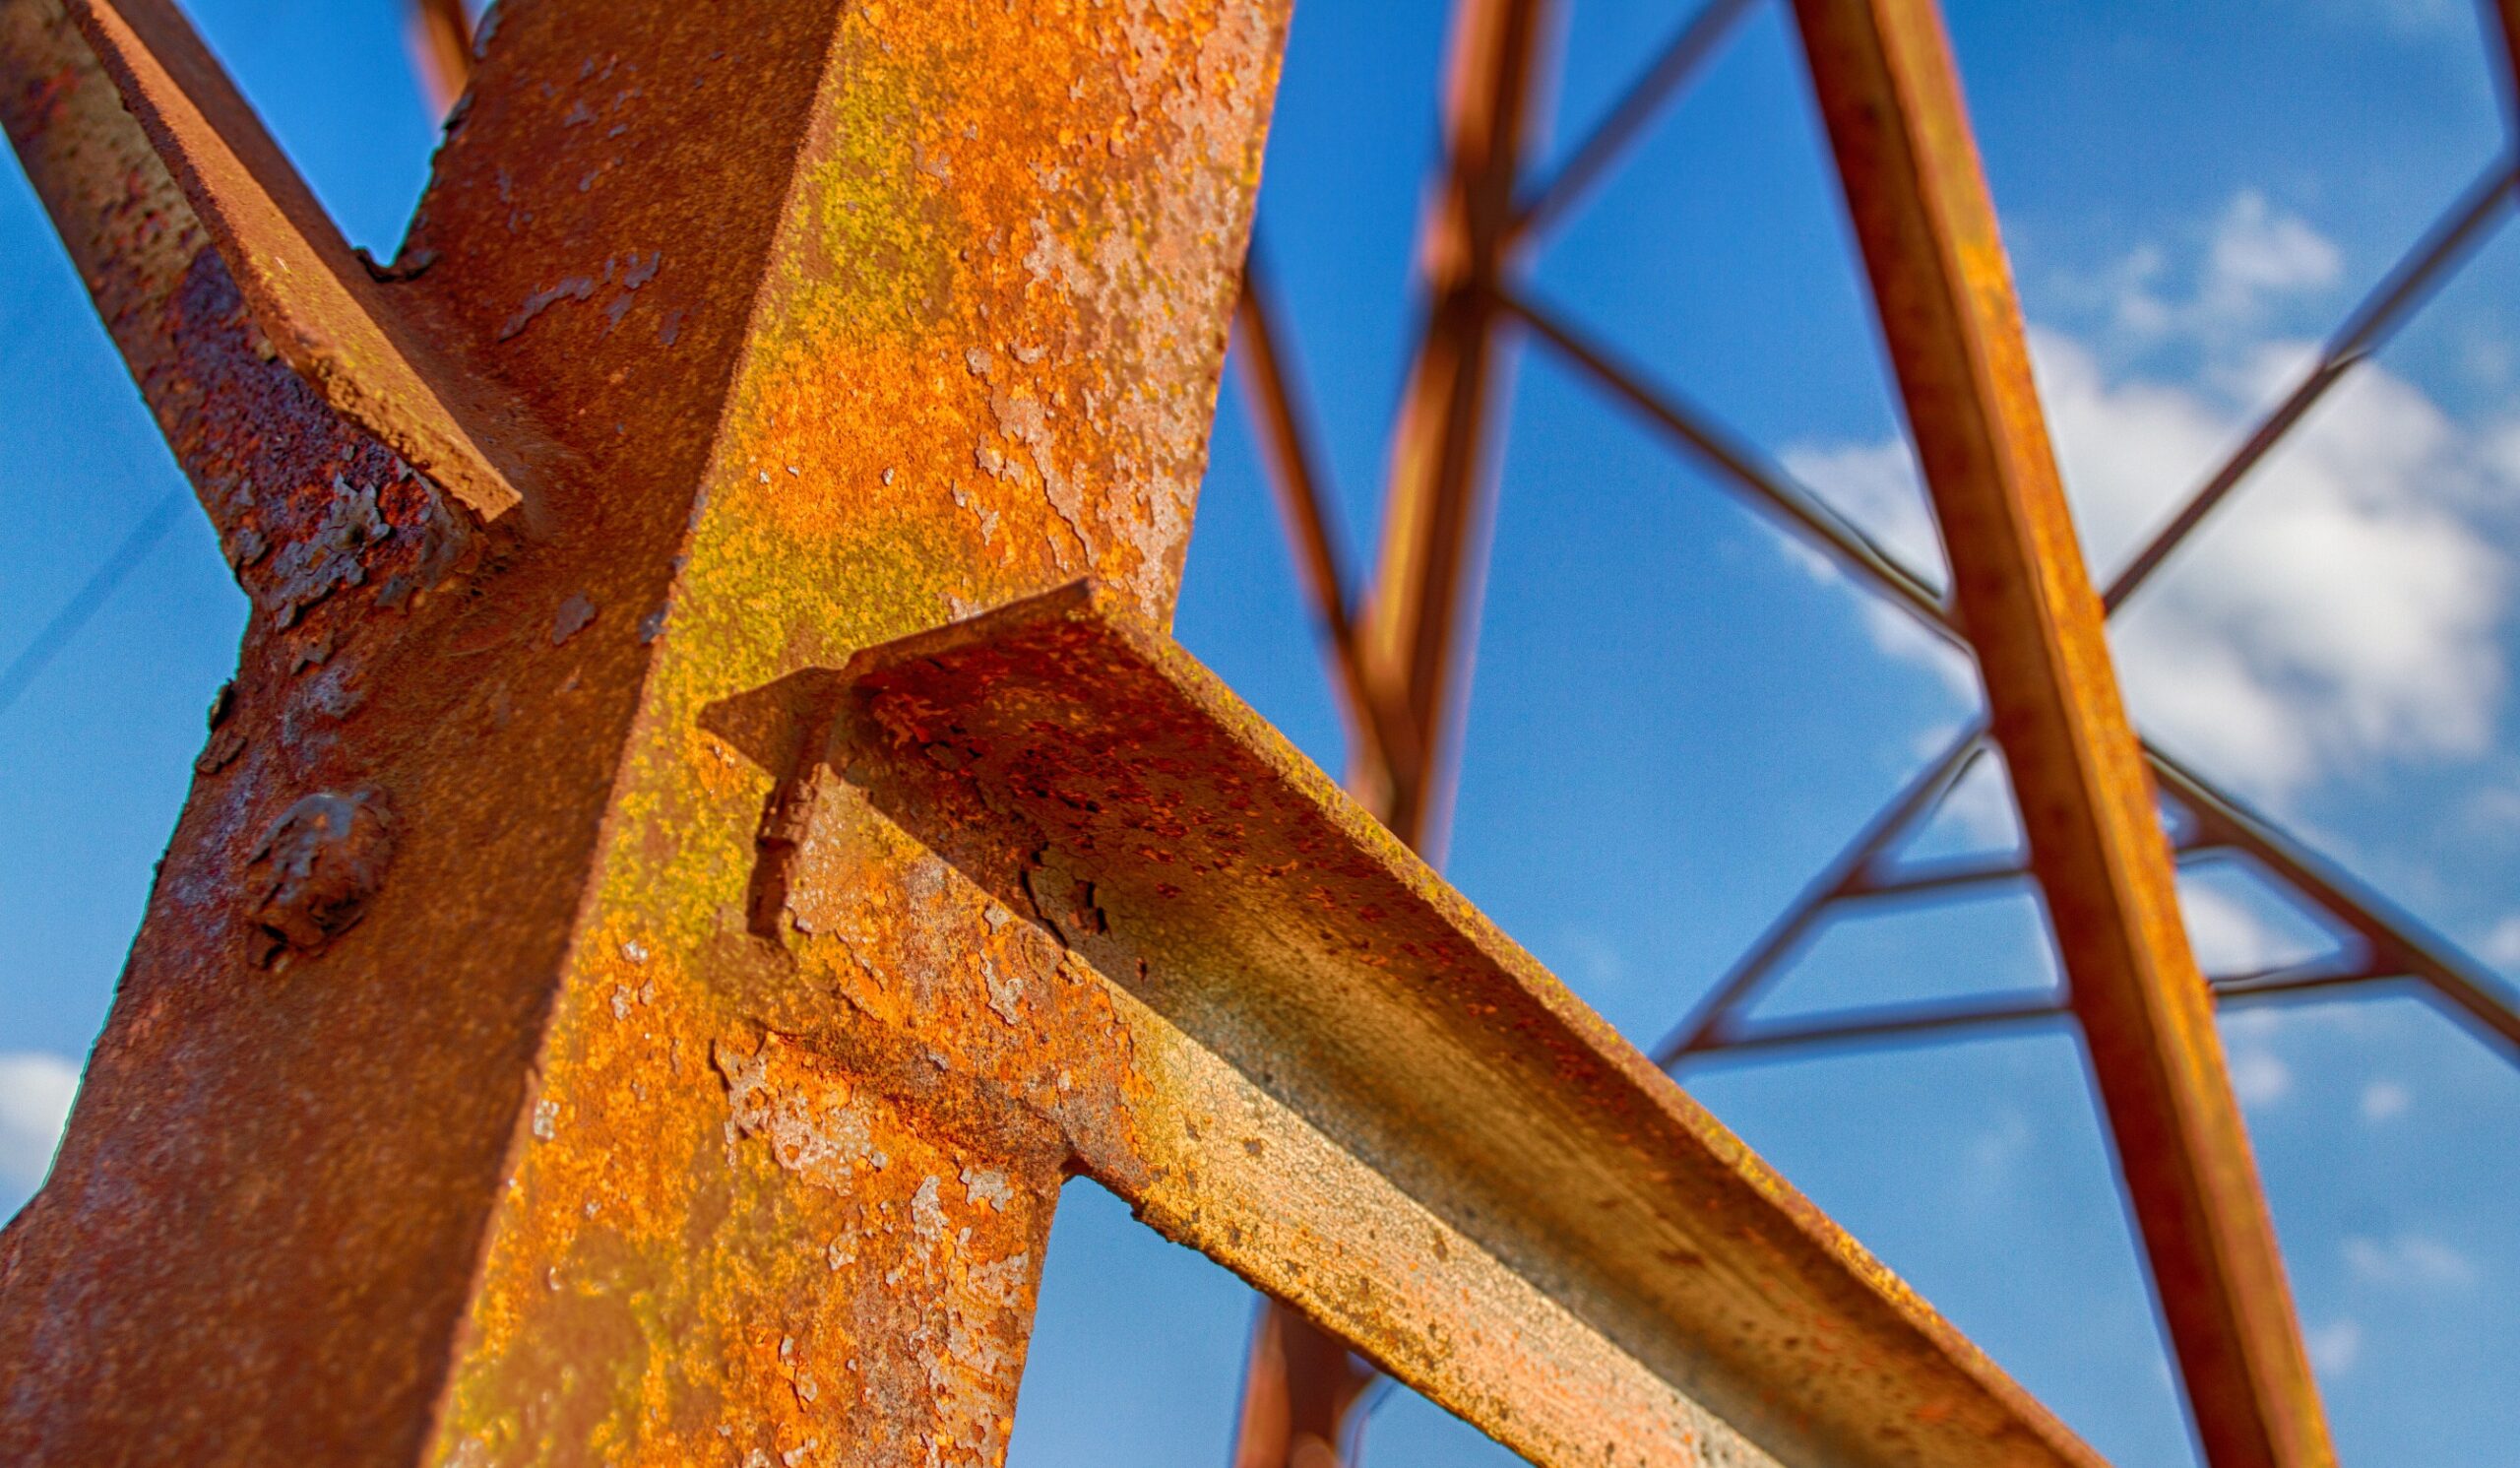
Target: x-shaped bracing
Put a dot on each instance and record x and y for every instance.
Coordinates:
(627, 989)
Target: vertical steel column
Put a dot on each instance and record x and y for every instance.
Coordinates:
(1891, 102)
(1434, 511)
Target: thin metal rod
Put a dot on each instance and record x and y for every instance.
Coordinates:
(1678, 62)
(2307, 977)
(1927, 879)
(1889, 1022)
(1766, 485)
(1439, 496)
(1386, 741)
(1936, 877)
(1713, 1015)
(1966, 1018)
(2364, 332)
(92, 595)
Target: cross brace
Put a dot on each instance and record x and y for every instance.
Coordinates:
(611, 997)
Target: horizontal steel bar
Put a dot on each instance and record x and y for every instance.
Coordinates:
(1885, 1023)
(1442, 1155)
(1925, 878)
(1924, 1022)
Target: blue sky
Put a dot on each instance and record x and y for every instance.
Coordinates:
(1676, 717)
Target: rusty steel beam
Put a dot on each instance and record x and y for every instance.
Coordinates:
(1890, 100)
(1354, 1091)
(458, 1104)
(611, 999)
(319, 305)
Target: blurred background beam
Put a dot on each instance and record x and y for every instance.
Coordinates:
(1890, 98)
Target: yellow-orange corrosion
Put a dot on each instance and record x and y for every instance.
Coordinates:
(847, 320)
(736, 965)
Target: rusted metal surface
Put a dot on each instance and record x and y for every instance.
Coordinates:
(1346, 1085)
(314, 300)
(843, 321)
(1891, 103)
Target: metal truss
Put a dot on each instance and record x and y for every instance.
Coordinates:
(2241, 1359)
(687, 869)
(709, 832)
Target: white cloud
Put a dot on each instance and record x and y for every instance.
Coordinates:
(2341, 609)
(2408, 1259)
(2260, 1077)
(36, 1090)
(2229, 935)
(2502, 945)
(2384, 1100)
(2252, 256)
(2335, 1347)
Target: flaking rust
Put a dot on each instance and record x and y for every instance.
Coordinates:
(694, 1196)
(570, 1194)
(685, 1067)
